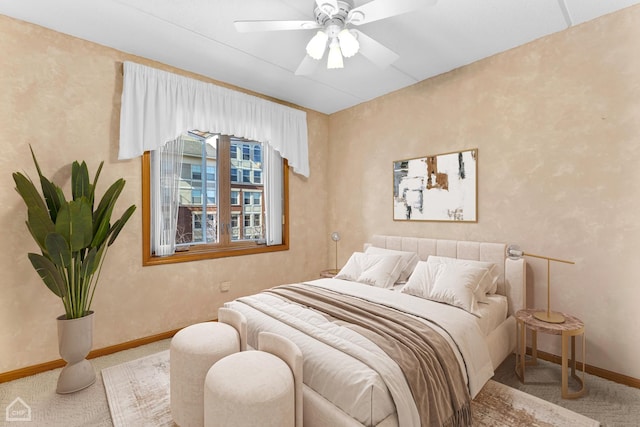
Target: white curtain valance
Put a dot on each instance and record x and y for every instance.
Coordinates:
(158, 106)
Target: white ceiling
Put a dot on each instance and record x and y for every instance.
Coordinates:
(199, 36)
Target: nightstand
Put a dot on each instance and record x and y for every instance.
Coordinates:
(329, 274)
(570, 328)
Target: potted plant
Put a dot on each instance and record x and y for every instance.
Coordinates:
(73, 236)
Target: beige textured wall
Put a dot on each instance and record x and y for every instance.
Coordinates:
(557, 126)
(62, 95)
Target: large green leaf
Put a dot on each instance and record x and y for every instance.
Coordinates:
(119, 224)
(102, 215)
(51, 197)
(58, 250)
(39, 224)
(74, 223)
(28, 191)
(95, 184)
(49, 190)
(80, 186)
(49, 274)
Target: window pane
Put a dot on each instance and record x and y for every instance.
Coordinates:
(247, 198)
(211, 173)
(196, 194)
(257, 153)
(212, 228)
(186, 171)
(235, 197)
(257, 176)
(246, 154)
(196, 227)
(234, 151)
(196, 172)
(235, 227)
(234, 175)
(196, 197)
(246, 176)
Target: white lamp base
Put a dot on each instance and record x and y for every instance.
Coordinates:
(550, 317)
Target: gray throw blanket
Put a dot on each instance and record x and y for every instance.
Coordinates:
(424, 356)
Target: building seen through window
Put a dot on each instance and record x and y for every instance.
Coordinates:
(207, 196)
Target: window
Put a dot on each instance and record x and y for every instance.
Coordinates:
(215, 219)
(196, 196)
(196, 172)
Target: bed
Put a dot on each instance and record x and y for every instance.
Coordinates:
(351, 378)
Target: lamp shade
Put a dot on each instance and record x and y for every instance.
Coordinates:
(317, 45)
(348, 43)
(335, 55)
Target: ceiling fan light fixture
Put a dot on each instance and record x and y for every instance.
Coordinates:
(348, 43)
(317, 45)
(335, 55)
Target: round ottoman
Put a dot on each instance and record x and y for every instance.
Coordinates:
(192, 352)
(248, 389)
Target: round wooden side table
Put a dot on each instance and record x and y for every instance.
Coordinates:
(571, 327)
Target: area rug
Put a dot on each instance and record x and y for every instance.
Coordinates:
(138, 395)
(138, 392)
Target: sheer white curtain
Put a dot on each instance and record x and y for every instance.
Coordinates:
(273, 196)
(158, 106)
(166, 165)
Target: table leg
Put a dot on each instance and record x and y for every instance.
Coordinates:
(534, 347)
(521, 349)
(565, 379)
(573, 355)
(565, 368)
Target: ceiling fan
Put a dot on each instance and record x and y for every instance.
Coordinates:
(333, 19)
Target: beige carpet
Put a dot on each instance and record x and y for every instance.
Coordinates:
(138, 395)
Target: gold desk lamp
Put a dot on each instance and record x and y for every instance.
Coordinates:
(335, 236)
(514, 252)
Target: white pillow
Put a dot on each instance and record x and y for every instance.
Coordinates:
(376, 270)
(488, 284)
(410, 259)
(422, 280)
(455, 286)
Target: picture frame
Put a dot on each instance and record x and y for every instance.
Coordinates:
(442, 187)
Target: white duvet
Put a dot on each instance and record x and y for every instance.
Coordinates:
(348, 369)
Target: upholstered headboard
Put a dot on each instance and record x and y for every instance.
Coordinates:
(512, 278)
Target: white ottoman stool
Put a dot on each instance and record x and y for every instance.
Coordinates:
(256, 388)
(193, 351)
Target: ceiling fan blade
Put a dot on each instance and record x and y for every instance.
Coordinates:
(381, 9)
(330, 7)
(307, 66)
(251, 26)
(375, 52)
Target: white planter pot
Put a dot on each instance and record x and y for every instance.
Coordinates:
(75, 339)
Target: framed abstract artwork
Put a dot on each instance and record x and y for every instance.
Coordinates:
(443, 187)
